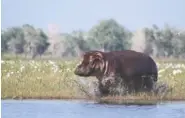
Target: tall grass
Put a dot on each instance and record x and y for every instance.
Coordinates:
(55, 79)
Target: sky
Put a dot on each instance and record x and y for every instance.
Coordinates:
(71, 15)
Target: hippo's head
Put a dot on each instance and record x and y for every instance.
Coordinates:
(92, 64)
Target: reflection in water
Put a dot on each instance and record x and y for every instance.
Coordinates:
(84, 109)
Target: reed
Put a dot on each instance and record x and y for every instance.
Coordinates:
(54, 79)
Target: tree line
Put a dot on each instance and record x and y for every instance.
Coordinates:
(107, 35)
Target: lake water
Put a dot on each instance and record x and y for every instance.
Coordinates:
(84, 109)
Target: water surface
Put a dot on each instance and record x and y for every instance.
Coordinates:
(84, 109)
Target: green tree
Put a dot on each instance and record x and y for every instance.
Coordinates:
(110, 35)
(4, 41)
(16, 40)
(36, 40)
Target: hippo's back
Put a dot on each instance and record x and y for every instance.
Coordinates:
(132, 62)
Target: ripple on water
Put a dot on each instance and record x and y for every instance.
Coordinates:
(84, 109)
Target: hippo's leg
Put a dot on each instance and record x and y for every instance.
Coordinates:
(104, 91)
(149, 83)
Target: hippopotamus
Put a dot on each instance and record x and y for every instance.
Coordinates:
(134, 70)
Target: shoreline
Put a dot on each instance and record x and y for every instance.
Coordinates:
(108, 101)
(126, 97)
(128, 102)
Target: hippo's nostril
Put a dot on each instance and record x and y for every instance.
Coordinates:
(76, 71)
(79, 71)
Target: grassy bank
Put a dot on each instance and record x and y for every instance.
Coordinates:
(55, 80)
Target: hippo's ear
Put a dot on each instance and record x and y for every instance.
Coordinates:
(98, 55)
(97, 60)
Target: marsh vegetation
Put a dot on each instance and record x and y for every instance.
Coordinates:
(54, 79)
